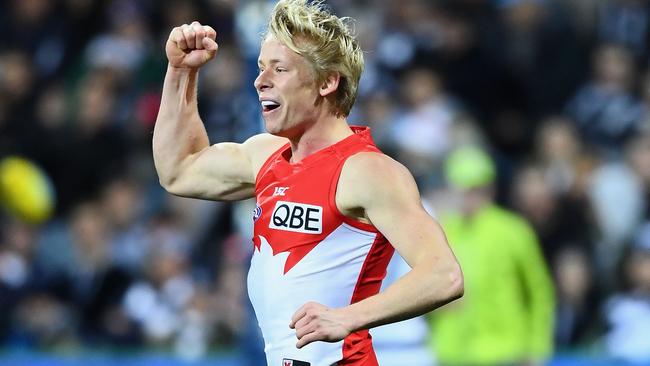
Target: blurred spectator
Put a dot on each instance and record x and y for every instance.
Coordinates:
(16, 254)
(540, 55)
(605, 110)
(46, 138)
(576, 317)
(17, 78)
(93, 141)
(617, 198)
(534, 62)
(565, 167)
(644, 125)
(96, 285)
(422, 134)
(469, 67)
(380, 112)
(36, 28)
(16, 268)
(125, 46)
(557, 220)
(506, 314)
(585, 15)
(638, 153)
(628, 312)
(129, 245)
(17, 81)
(409, 25)
(626, 22)
(559, 150)
(176, 12)
(250, 22)
(33, 314)
(159, 300)
(42, 320)
(226, 312)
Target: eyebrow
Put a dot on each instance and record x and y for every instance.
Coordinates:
(271, 62)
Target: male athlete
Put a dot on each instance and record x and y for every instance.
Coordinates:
(330, 205)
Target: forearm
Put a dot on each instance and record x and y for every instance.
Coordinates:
(416, 293)
(179, 131)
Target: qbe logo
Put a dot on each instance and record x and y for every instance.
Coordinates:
(297, 217)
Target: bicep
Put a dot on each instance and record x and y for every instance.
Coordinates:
(219, 172)
(226, 171)
(416, 236)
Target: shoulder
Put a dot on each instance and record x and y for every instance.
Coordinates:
(374, 167)
(368, 177)
(259, 148)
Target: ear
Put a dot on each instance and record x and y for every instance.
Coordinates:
(330, 84)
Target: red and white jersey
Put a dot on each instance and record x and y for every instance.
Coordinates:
(306, 250)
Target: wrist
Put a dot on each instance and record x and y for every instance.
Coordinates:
(181, 70)
(356, 316)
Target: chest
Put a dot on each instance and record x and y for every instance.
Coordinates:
(296, 200)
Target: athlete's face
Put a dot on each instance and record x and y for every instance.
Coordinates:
(287, 89)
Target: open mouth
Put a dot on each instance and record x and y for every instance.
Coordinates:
(269, 105)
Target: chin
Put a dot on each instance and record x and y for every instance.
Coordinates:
(277, 128)
(280, 133)
(273, 128)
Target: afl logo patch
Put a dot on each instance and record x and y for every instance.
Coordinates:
(257, 212)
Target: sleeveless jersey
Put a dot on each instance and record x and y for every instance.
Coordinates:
(306, 250)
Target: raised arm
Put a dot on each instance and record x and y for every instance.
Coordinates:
(186, 163)
(386, 192)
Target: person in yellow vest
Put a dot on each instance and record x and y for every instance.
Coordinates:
(506, 316)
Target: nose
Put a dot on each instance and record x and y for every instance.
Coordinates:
(262, 82)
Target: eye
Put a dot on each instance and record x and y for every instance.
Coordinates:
(280, 69)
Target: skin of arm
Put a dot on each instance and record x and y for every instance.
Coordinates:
(186, 163)
(374, 188)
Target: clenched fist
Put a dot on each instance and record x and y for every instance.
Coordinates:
(191, 46)
(316, 322)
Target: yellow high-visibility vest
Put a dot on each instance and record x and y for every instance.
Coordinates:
(507, 312)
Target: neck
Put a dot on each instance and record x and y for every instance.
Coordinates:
(319, 135)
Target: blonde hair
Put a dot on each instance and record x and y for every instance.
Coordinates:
(325, 40)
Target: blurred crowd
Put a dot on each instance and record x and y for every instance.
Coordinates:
(557, 91)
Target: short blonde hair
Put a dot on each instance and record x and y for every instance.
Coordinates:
(325, 40)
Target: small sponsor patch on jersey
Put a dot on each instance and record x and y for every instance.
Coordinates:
(280, 191)
(297, 217)
(257, 212)
(289, 362)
